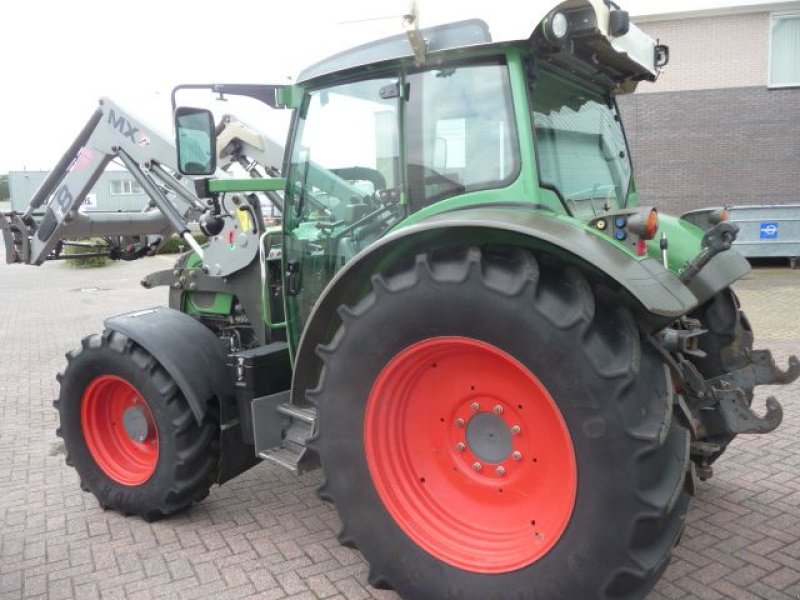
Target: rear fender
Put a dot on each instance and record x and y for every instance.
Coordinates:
(683, 245)
(655, 292)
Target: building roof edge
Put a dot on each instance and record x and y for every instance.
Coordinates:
(717, 11)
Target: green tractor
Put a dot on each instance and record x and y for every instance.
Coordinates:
(510, 372)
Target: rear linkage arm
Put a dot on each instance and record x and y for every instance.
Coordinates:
(720, 406)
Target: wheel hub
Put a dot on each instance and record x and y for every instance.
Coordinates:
(489, 442)
(120, 430)
(135, 423)
(489, 437)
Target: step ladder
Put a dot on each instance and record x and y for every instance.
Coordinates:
(292, 453)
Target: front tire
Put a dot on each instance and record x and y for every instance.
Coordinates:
(129, 433)
(584, 499)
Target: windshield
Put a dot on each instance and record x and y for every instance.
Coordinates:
(352, 176)
(345, 158)
(580, 146)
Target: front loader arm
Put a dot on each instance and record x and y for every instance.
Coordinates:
(52, 214)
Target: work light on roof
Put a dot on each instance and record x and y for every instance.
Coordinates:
(559, 25)
(556, 27)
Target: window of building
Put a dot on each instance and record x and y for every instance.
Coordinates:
(125, 188)
(784, 55)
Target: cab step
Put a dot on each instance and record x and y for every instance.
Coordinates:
(292, 453)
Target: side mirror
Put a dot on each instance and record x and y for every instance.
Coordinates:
(661, 58)
(196, 140)
(619, 23)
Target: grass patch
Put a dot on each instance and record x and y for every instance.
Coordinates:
(175, 244)
(90, 245)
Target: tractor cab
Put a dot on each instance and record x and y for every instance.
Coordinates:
(449, 118)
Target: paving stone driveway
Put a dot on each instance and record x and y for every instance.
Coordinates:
(266, 534)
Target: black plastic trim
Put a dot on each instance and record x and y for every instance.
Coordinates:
(453, 35)
(189, 351)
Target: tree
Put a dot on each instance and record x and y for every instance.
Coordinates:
(4, 194)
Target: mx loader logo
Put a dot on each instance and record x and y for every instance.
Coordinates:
(127, 129)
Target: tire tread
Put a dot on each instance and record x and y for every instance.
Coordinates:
(197, 445)
(567, 299)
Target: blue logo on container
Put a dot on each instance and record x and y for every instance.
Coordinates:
(769, 231)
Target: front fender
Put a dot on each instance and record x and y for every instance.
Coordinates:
(188, 351)
(642, 282)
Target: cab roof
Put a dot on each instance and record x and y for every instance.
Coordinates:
(440, 27)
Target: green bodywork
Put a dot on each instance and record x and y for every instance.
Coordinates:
(366, 187)
(200, 303)
(218, 303)
(541, 99)
(221, 186)
(204, 303)
(683, 240)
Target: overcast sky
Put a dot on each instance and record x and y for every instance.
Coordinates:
(58, 58)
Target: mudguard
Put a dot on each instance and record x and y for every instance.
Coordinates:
(190, 353)
(645, 284)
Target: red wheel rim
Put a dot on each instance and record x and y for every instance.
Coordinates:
(127, 458)
(436, 434)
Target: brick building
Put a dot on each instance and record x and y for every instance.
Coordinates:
(722, 123)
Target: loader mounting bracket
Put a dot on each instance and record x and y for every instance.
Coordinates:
(16, 237)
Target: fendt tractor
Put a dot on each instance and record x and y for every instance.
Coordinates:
(511, 373)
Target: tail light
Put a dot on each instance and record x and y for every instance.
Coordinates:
(644, 223)
(718, 216)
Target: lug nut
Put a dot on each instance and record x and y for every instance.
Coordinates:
(515, 429)
(459, 422)
(477, 466)
(475, 407)
(498, 410)
(516, 455)
(461, 446)
(500, 471)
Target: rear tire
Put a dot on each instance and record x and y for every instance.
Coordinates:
(129, 432)
(611, 408)
(728, 341)
(728, 344)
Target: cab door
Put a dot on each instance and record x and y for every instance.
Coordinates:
(344, 185)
